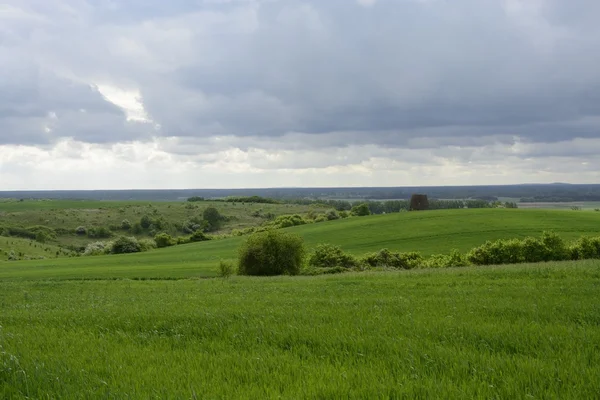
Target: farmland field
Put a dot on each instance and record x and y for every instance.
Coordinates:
(145, 326)
(529, 331)
(428, 232)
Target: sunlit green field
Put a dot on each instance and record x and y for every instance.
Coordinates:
(528, 331)
(431, 232)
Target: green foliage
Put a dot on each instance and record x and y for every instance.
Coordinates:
(125, 225)
(137, 228)
(213, 218)
(585, 248)
(504, 251)
(226, 269)
(193, 225)
(251, 199)
(97, 248)
(454, 259)
(147, 244)
(146, 222)
(332, 215)
(550, 247)
(386, 258)
(286, 221)
(183, 240)
(100, 232)
(37, 232)
(195, 199)
(360, 210)
(124, 244)
(321, 218)
(271, 253)
(198, 236)
(164, 240)
(331, 256)
(344, 214)
(478, 204)
(80, 230)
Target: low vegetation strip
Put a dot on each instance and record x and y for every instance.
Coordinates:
(428, 233)
(525, 331)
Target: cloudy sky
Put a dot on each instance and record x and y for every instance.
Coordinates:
(267, 93)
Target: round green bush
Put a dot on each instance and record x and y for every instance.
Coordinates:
(164, 240)
(271, 253)
(126, 244)
(330, 256)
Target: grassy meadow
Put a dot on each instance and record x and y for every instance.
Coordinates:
(527, 331)
(14, 249)
(431, 232)
(145, 326)
(66, 215)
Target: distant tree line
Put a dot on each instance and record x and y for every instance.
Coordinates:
(393, 206)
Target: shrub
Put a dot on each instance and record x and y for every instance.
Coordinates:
(183, 240)
(226, 269)
(271, 253)
(585, 248)
(80, 230)
(164, 240)
(343, 214)
(331, 256)
(555, 247)
(360, 210)
(332, 215)
(125, 244)
(125, 225)
(550, 247)
(285, 221)
(193, 225)
(386, 258)
(454, 259)
(504, 251)
(100, 232)
(137, 228)
(97, 248)
(147, 244)
(145, 222)
(198, 236)
(321, 218)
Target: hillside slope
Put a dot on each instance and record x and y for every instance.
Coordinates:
(428, 232)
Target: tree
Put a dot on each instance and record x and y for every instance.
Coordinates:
(213, 218)
(360, 210)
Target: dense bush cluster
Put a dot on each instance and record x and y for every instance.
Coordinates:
(386, 258)
(271, 253)
(549, 247)
(258, 255)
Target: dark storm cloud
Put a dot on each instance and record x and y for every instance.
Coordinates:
(446, 72)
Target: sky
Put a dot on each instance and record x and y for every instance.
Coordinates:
(124, 94)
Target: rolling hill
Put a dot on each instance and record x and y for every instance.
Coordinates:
(428, 232)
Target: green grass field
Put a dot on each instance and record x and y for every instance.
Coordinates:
(24, 249)
(428, 232)
(527, 331)
(67, 215)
